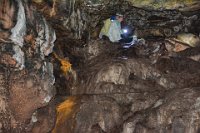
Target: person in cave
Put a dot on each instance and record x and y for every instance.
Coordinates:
(112, 30)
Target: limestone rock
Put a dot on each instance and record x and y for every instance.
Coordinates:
(84, 114)
(26, 75)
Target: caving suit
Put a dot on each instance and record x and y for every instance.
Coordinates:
(111, 29)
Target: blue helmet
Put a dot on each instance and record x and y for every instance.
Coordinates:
(113, 18)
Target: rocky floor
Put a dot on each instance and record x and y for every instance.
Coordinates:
(142, 89)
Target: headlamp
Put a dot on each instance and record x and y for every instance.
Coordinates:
(125, 31)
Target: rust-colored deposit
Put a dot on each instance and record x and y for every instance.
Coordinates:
(65, 64)
(65, 113)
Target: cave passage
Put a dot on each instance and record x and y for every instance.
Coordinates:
(57, 75)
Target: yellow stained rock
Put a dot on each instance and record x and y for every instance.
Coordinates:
(64, 111)
(65, 64)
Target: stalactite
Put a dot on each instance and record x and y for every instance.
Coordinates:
(19, 30)
(25, 41)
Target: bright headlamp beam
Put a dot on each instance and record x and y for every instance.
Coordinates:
(125, 30)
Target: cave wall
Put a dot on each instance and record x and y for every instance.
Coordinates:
(147, 92)
(26, 74)
(169, 4)
(83, 19)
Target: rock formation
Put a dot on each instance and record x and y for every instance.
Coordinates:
(93, 85)
(26, 75)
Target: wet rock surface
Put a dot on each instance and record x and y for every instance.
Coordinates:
(152, 95)
(91, 110)
(148, 88)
